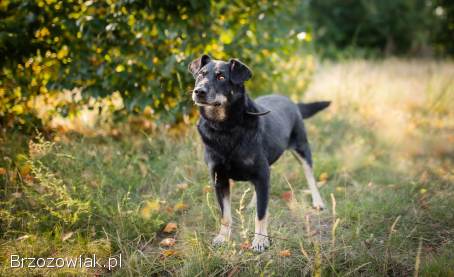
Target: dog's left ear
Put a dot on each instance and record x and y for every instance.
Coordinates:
(239, 72)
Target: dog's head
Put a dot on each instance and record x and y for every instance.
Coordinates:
(217, 83)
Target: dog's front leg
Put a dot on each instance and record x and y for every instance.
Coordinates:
(261, 185)
(222, 188)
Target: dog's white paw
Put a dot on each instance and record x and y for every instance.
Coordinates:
(318, 204)
(260, 243)
(220, 240)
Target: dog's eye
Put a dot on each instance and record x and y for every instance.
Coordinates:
(220, 77)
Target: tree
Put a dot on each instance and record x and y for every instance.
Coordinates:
(137, 48)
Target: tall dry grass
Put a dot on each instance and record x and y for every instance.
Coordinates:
(407, 104)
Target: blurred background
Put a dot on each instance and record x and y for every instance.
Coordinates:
(99, 152)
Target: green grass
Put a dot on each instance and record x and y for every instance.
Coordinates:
(384, 144)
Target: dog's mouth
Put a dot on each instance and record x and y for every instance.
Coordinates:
(207, 104)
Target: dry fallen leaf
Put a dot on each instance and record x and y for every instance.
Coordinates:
(149, 208)
(181, 206)
(287, 196)
(2, 171)
(285, 253)
(168, 252)
(28, 179)
(23, 237)
(16, 194)
(67, 236)
(25, 170)
(170, 227)
(182, 186)
(340, 189)
(245, 245)
(323, 177)
(167, 242)
(207, 189)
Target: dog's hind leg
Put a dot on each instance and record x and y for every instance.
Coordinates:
(222, 188)
(304, 155)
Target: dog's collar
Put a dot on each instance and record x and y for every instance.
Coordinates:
(258, 113)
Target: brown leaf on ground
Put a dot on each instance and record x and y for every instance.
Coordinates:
(25, 170)
(168, 242)
(23, 237)
(285, 253)
(245, 245)
(170, 227)
(28, 179)
(2, 171)
(182, 186)
(150, 207)
(168, 253)
(207, 189)
(16, 194)
(323, 177)
(180, 206)
(287, 196)
(67, 236)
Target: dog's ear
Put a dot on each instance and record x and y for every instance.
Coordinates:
(197, 64)
(239, 72)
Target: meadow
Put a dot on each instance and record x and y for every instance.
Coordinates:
(383, 156)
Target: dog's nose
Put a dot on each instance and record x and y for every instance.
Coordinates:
(200, 92)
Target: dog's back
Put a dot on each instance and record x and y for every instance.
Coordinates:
(283, 127)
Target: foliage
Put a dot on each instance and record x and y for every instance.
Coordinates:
(138, 48)
(390, 27)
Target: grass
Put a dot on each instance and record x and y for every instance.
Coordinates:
(384, 155)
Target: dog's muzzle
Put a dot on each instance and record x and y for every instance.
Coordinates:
(199, 96)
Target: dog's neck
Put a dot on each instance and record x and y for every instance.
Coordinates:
(230, 115)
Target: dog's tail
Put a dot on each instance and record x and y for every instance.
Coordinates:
(309, 109)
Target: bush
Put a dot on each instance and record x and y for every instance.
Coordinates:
(137, 48)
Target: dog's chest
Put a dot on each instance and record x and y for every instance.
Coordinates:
(233, 152)
(239, 164)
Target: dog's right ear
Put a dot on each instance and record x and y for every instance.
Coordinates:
(239, 72)
(197, 64)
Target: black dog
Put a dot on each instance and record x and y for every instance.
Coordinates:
(243, 137)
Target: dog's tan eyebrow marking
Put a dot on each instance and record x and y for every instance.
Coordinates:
(218, 67)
